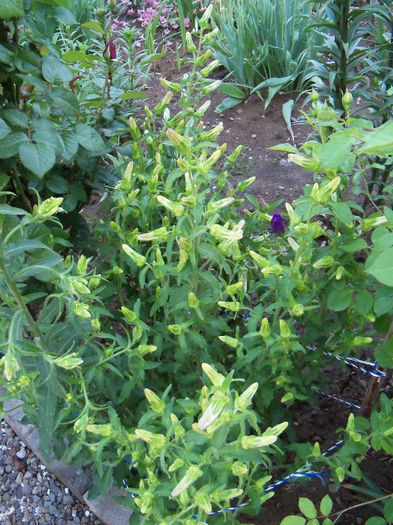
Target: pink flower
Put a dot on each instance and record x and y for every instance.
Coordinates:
(186, 22)
(110, 51)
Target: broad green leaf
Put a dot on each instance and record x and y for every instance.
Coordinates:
(69, 144)
(284, 147)
(13, 250)
(232, 91)
(388, 510)
(384, 355)
(379, 141)
(354, 245)
(89, 138)
(343, 212)
(38, 158)
(11, 9)
(307, 507)
(363, 301)
(16, 118)
(335, 151)
(9, 145)
(65, 15)
(4, 129)
(339, 299)
(382, 267)
(129, 95)
(57, 184)
(326, 505)
(65, 100)
(383, 301)
(4, 180)
(375, 520)
(293, 520)
(54, 70)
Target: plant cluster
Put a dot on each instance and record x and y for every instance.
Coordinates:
(172, 357)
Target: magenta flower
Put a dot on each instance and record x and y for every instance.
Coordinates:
(278, 224)
(186, 22)
(110, 51)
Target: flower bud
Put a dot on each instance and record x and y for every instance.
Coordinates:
(11, 365)
(136, 257)
(163, 103)
(178, 463)
(245, 399)
(347, 100)
(157, 440)
(233, 306)
(285, 332)
(181, 143)
(175, 329)
(314, 96)
(136, 134)
(230, 341)
(81, 266)
(160, 234)
(145, 349)
(191, 475)
(213, 133)
(205, 72)
(95, 324)
(244, 184)
(212, 413)
(297, 310)
(130, 316)
(48, 207)
(265, 328)
(215, 377)
(68, 362)
(232, 289)
(212, 87)
(81, 310)
(193, 301)
(102, 430)
(250, 442)
(202, 110)
(190, 43)
(171, 86)
(324, 262)
(155, 402)
(175, 207)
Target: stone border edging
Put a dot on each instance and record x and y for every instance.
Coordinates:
(77, 480)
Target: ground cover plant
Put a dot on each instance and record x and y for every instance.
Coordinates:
(174, 360)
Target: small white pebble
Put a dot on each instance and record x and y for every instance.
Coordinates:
(67, 491)
(87, 513)
(42, 467)
(249, 158)
(253, 136)
(73, 513)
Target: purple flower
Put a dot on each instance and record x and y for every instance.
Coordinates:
(278, 223)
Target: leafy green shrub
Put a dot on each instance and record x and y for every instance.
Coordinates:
(263, 44)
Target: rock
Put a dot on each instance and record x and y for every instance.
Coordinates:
(67, 500)
(21, 454)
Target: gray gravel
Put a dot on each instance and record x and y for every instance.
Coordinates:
(29, 494)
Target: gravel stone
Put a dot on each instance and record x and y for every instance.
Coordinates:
(29, 495)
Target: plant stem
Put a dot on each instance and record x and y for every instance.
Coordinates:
(339, 514)
(19, 299)
(374, 386)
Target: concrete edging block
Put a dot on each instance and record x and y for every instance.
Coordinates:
(77, 480)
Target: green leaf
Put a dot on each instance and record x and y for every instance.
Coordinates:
(384, 355)
(379, 141)
(375, 520)
(326, 505)
(89, 138)
(287, 109)
(354, 245)
(53, 70)
(363, 301)
(339, 299)
(307, 507)
(74, 56)
(4, 129)
(38, 158)
(327, 521)
(11, 9)
(232, 91)
(129, 95)
(335, 151)
(5, 209)
(93, 25)
(382, 267)
(16, 118)
(9, 145)
(227, 103)
(57, 184)
(343, 213)
(293, 520)
(388, 510)
(65, 100)
(69, 144)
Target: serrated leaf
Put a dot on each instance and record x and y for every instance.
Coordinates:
(326, 505)
(11, 8)
(16, 117)
(38, 158)
(307, 507)
(89, 138)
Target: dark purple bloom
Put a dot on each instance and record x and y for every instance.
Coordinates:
(278, 223)
(110, 51)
